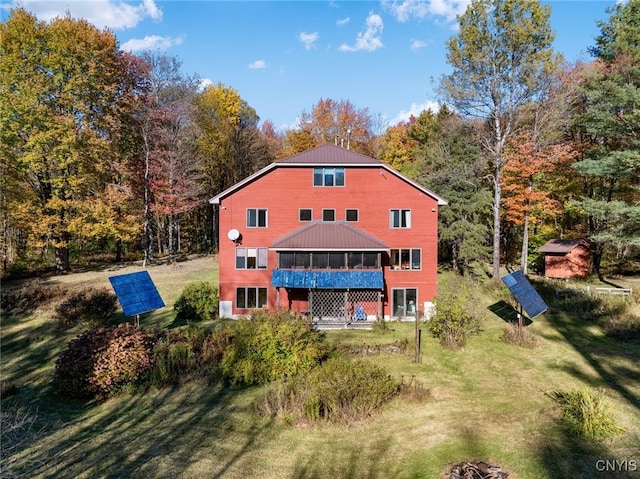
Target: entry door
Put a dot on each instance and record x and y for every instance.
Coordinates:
(405, 302)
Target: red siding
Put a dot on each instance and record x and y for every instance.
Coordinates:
(574, 264)
(371, 190)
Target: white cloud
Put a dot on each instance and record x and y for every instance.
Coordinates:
(369, 39)
(308, 39)
(204, 84)
(405, 10)
(113, 14)
(258, 65)
(418, 44)
(343, 21)
(414, 110)
(150, 42)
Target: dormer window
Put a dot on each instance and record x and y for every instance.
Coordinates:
(328, 176)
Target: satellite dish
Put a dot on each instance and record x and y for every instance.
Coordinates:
(233, 234)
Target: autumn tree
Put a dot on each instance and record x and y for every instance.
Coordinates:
(65, 92)
(502, 58)
(396, 148)
(610, 94)
(229, 145)
(168, 174)
(340, 122)
(527, 184)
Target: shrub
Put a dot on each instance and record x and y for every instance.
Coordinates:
(587, 415)
(92, 307)
(339, 390)
(103, 361)
(180, 356)
(198, 302)
(29, 297)
(519, 336)
(624, 328)
(272, 345)
(458, 314)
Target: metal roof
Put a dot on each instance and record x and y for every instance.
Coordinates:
(562, 246)
(327, 154)
(329, 235)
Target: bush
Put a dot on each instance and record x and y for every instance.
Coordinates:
(180, 356)
(458, 314)
(92, 307)
(272, 345)
(339, 390)
(198, 302)
(103, 361)
(586, 415)
(624, 328)
(513, 334)
(29, 297)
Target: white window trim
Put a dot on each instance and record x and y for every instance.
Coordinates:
(401, 212)
(246, 295)
(257, 210)
(357, 210)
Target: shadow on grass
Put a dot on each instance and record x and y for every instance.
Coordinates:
(159, 435)
(614, 365)
(507, 313)
(566, 457)
(602, 353)
(363, 463)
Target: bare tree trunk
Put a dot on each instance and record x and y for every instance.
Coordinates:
(497, 199)
(525, 243)
(147, 230)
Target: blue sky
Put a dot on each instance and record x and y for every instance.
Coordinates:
(284, 56)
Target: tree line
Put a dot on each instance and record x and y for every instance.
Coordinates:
(108, 153)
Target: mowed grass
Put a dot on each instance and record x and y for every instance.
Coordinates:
(487, 402)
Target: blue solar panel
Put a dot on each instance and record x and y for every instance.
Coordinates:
(136, 292)
(524, 293)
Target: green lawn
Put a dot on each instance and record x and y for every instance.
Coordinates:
(488, 401)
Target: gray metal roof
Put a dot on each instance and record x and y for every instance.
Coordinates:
(562, 246)
(329, 235)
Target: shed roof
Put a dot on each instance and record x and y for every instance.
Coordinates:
(329, 235)
(322, 155)
(562, 246)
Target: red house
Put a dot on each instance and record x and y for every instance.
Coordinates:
(566, 259)
(330, 233)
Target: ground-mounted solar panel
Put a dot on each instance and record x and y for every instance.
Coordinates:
(524, 293)
(136, 293)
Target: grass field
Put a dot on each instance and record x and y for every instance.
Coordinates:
(488, 402)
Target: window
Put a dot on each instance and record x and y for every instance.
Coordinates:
(400, 219)
(256, 218)
(351, 215)
(328, 215)
(362, 260)
(250, 298)
(405, 302)
(405, 259)
(322, 260)
(328, 177)
(251, 258)
(305, 214)
(294, 260)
